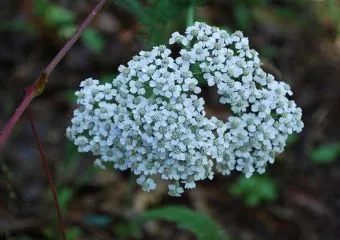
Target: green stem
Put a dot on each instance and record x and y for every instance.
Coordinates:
(191, 14)
(196, 73)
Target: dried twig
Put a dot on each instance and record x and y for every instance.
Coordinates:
(48, 174)
(39, 85)
(36, 89)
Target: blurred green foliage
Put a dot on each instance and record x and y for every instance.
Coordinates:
(292, 138)
(54, 15)
(72, 156)
(107, 78)
(71, 233)
(201, 225)
(325, 153)
(19, 238)
(70, 165)
(66, 189)
(159, 18)
(93, 40)
(255, 190)
(250, 13)
(59, 18)
(329, 11)
(17, 25)
(65, 195)
(64, 21)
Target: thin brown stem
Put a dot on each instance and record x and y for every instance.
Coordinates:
(38, 86)
(48, 174)
(75, 37)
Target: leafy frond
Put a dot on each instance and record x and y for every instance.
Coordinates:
(201, 225)
(159, 18)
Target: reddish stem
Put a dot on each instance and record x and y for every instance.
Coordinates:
(29, 95)
(75, 37)
(39, 84)
(48, 174)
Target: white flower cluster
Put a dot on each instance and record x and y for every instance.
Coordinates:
(150, 119)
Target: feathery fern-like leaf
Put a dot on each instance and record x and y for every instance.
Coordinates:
(159, 18)
(201, 225)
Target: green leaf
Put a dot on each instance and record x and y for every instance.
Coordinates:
(39, 7)
(107, 78)
(19, 238)
(48, 232)
(201, 225)
(56, 15)
(65, 195)
(17, 25)
(292, 138)
(67, 31)
(125, 231)
(242, 16)
(255, 190)
(73, 233)
(157, 17)
(70, 97)
(286, 13)
(93, 40)
(269, 52)
(253, 200)
(326, 153)
(72, 155)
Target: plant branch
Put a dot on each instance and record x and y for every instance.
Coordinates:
(48, 174)
(39, 85)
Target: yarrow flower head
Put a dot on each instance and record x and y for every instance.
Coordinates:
(150, 120)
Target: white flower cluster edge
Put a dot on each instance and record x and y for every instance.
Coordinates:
(150, 120)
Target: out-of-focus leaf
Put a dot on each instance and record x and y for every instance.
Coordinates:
(157, 17)
(242, 16)
(67, 31)
(292, 139)
(201, 225)
(107, 78)
(326, 153)
(48, 232)
(65, 195)
(93, 40)
(286, 13)
(72, 157)
(17, 25)
(268, 16)
(125, 231)
(69, 96)
(73, 233)
(56, 15)
(19, 238)
(268, 52)
(252, 200)
(39, 7)
(255, 190)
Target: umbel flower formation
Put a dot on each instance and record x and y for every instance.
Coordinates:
(150, 120)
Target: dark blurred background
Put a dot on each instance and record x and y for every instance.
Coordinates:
(297, 198)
